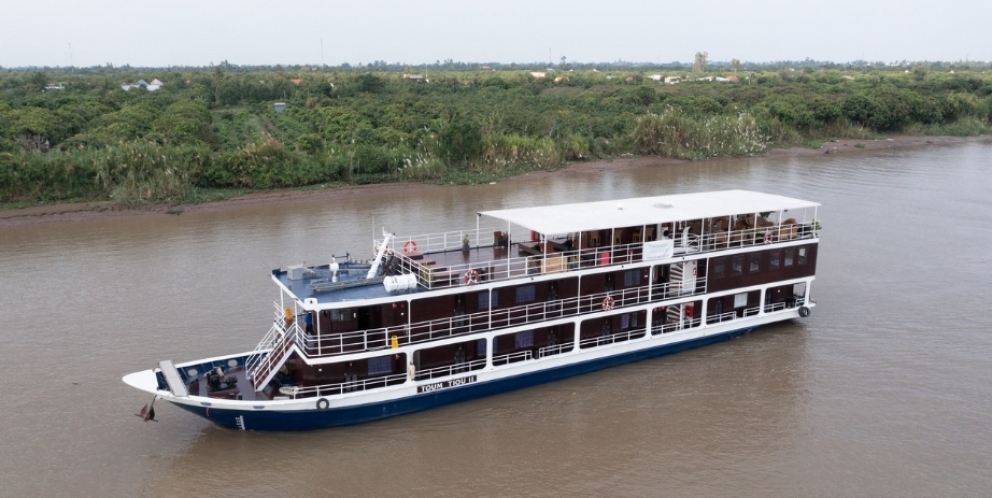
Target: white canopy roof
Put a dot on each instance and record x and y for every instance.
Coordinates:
(567, 218)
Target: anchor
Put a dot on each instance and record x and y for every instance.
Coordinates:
(148, 412)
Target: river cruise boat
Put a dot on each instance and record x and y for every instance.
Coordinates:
(526, 296)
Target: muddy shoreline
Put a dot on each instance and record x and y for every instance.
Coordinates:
(68, 212)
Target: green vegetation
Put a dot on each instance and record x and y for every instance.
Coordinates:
(210, 131)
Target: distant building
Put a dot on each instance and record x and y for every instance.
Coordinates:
(537, 74)
(296, 81)
(280, 107)
(671, 80)
(656, 77)
(54, 86)
(151, 87)
(414, 77)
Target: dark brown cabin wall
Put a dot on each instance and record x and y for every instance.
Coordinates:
(568, 288)
(393, 314)
(764, 275)
(593, 284)
(430, 308)
(443, 356)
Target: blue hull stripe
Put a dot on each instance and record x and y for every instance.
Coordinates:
(273, 420)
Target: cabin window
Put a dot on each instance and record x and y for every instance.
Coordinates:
(480, 347)
(526, 294)
(488, 300)
(631, 278)
(628, 320)
(802, 256)
(790, 256)
(719, 267)
(340, 315)
(774, 260)
(737, 264)
(381, 365)
(523, 339)
(755, 262)
(740, 300)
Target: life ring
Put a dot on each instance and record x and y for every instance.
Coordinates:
(608, 303)
(471, 277)
(768, 237)
(409, 247)
(803, 311)
(323, 404)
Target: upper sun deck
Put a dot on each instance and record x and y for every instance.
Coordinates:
(562, 238)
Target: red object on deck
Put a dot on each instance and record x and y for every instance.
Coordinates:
(533, 235)
(604, 258)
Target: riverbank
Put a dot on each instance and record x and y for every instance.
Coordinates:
(69, 212)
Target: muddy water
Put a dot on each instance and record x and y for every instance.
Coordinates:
(884, 391)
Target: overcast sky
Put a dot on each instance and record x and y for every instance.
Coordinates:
(184, 32)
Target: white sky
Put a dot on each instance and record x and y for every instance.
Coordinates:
(184, 32)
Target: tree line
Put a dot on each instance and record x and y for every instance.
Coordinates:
(79, 135)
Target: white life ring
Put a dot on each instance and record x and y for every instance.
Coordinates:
(471, 277)
(608, 303)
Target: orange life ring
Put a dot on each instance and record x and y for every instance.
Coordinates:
(608, 303)
(471, 277)
(409, 247)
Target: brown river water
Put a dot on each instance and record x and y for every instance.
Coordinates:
(886, 390)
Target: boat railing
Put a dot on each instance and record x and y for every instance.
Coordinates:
(509, 268)
(276, 333)
(442, 241)
(459, 325)
(263, 369)
(773, 307)
(685, 323)
(730, 239)
(506, 359)
(449, 370)
(351, 386)
(517, 267)
(602, 340)
(722, 317)
(555, 349)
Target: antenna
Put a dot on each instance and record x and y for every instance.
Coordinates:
(322, 51)
(70, 54)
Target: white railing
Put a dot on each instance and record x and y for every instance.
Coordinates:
(449, 370)
(770, 308)
(568, 260)
(715, 241)
(506, 359)
(352, 386)
(602, 340)
(683, 324)
(555, 349)
(427, 331)
(521, 266)
(443, 241)
(268, 342)
(722, 317)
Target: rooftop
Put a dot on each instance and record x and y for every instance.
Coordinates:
(585, 216)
